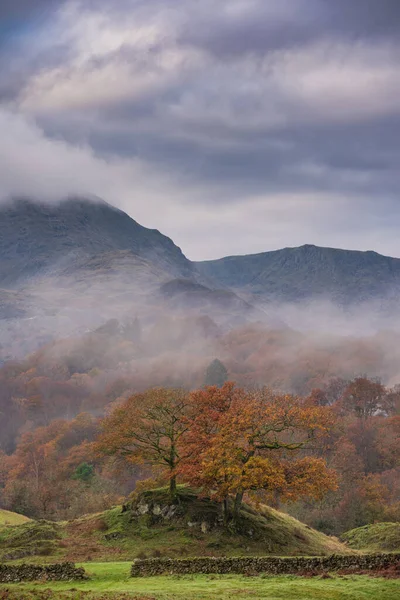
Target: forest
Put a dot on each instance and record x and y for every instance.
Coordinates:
(279, 417)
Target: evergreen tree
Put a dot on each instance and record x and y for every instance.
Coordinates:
(216, 373)
(84, 472)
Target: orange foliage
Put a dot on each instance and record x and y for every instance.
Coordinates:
(147, 428)
(238, 441)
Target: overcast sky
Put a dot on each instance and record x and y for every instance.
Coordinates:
(233, 126)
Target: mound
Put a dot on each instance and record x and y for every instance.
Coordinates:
(153, 526)
(12, 518)
(30, 538)
(193, 526)
(379, 537)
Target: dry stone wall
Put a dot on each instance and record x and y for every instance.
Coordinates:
(270, 565)
(56, 572)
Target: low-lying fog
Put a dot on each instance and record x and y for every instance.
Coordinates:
(265, 344)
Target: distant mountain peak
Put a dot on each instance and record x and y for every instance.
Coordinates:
(308, 271)
(37, 236)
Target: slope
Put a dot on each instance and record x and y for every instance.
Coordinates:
(66, 268)
(12, 518)
(190, 530)
(295, 274)
(79, 235)
(378, 537)
(37, 238)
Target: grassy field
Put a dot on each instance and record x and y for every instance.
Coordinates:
(111, 580)
(379, 537)
(11, 518)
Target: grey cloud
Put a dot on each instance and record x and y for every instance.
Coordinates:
(258, 31)
(20, 59)
(25, 9)
(293, 23)
(364, 17)
(240, 100)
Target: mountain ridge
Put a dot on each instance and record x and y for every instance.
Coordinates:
(52, 236)
(297, 273)
(89, 236)
(68, 268)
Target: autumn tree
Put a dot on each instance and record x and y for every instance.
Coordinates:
(393, 400)
(53, 472)
(147, 429)
(251, 441)
(388, 442)
(331, 392)
(364, 397)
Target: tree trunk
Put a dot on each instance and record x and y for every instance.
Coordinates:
(172, 487)
(237, 504)
(225, 510)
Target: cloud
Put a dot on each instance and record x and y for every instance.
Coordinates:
(53, 169)
(12, 9)
(248, 121)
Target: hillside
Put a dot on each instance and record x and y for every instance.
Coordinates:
(91, 236)
(67, 268)
(38, 239)
(12, 518)
(295, 274)
(190, 529)
(378, 537)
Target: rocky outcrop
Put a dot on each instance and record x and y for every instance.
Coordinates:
(194, 515)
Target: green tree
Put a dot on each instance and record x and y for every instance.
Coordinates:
(84, 472)
(216, 374)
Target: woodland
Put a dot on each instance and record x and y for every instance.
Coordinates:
(267, 416)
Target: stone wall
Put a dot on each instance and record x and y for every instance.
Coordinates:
(56, 572)
(270, 565)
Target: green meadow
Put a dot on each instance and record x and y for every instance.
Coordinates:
(111, 581)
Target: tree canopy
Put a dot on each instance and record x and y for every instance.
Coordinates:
(216, 373)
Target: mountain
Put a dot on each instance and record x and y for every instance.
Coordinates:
(67, 268)
(89, 239)
(37, 239)
(297, 274)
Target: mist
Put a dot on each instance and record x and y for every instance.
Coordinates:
(163, 331)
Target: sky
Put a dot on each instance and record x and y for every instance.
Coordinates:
(233, 127)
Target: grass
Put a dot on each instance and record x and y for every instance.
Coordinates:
(259, 531)
(379, 537)
(111, 580)
(32, 538)
(116, 535)
(12, 518)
